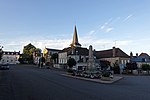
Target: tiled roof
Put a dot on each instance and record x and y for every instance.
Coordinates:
(82, 51)
(144, 55)
(76, 50)
(11, 53)
(68, 50)
(109, 53)
(52, 49)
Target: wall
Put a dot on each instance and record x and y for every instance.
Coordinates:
(62, 58)
(10, 59)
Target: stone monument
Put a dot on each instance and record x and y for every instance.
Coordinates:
(90, 65)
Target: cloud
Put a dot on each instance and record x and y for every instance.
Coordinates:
(128, 17)
(106, 27)
(109, 29)
(53, 43)
(103, 26)
(92, 32)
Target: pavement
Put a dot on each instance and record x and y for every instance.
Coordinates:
(103, 80)
(24, 82)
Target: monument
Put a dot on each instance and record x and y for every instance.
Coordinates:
(90, 65)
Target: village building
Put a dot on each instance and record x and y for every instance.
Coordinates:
(10, 57)
(114, 55)
(143, 58)
(47, 54)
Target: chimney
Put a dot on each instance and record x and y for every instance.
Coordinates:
(114, 51)
(131, 54)
(137, 55)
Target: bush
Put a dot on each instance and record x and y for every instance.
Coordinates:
(131, 66)
(69, 70)
(106, 74)
(145, 67)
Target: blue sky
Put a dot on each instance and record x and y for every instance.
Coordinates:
(101, 23)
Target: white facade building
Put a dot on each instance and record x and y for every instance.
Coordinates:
(10, 57)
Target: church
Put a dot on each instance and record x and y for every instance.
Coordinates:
(75, 51)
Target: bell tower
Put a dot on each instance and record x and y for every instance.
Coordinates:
(75, 42)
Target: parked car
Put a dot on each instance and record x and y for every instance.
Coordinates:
(4, 66)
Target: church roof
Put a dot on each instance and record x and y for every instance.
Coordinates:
(49, 49)
(76, 51)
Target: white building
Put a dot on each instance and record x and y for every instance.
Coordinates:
(47, 54)
(10, 57)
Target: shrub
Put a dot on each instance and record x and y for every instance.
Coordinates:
(106, 74)
(145, 67)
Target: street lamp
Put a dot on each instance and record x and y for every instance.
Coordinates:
(76, 59)
(1, 52)
(76, 56)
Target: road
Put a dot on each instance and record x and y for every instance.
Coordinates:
(24, 82)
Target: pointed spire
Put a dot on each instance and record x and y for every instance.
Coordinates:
(75, 42)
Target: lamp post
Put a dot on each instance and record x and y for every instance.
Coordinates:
(1, 52)
(76, 59)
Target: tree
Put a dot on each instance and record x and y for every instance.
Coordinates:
(28, 53)
(54, 57)
(131, 66)
(38, 52)
(71, 62)
(146, 67)
(116, 67)
(104, 64)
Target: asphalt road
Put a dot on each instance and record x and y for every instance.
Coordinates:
(31, 83)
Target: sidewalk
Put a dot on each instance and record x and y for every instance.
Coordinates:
(110, 81)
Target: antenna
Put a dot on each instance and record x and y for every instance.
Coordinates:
(115, 42)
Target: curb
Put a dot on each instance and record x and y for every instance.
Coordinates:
(94, 80)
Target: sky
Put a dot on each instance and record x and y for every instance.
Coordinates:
(103, 24)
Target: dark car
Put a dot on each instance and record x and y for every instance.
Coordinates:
(4, 66)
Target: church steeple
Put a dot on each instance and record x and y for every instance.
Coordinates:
(75, 42)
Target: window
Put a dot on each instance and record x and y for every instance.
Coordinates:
(125, 61)
(121, 61)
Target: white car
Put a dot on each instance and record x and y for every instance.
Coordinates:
(4, 66)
